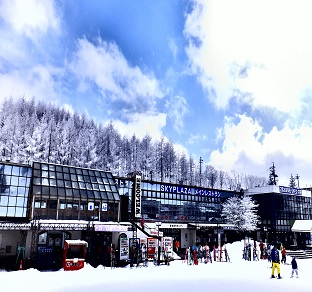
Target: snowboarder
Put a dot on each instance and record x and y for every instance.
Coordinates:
(294, 267)
(275, 262)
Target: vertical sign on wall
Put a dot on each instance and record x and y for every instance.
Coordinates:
(136, 197)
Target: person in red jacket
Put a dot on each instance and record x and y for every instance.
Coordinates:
(283, 261)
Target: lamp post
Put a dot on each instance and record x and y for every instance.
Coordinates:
(158, 224)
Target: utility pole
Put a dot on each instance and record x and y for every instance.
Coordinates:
(200, 170)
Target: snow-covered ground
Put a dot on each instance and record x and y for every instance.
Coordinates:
(238, 275)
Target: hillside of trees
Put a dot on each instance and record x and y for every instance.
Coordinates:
(37, 131)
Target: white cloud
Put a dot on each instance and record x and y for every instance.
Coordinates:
(35, 82)
(106, 66)
(142, 124)
(257, 47)
(249, 149)
(177, 108)
(30, 18)
(194, 139)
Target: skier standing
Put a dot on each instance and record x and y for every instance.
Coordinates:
(275, 262)
(294, 267)
(284, 255)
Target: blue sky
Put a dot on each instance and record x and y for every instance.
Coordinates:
(228, 81)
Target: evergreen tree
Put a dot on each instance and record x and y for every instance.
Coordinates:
(292, 181)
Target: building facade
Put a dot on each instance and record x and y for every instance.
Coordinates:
(43, 204)
(279, 207)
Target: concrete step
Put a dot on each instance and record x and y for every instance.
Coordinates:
(300, 254)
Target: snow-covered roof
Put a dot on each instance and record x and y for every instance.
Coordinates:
(302, 226)
(278, 190)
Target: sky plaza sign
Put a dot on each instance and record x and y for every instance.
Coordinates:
(189, 191)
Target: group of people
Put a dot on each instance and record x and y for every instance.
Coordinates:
(204, 254)
(272, 254)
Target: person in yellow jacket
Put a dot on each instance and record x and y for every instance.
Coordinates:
(275, 262)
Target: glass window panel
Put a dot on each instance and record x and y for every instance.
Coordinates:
(36, 165)
(82, 185)
(15, 170)
(7, 169)
(76, 193)
(86, 178)
(20, 201)
(53, 182)
(97, 194)
(75, 185)
(22, 181)
(90, 194)
(113, 187)
(73, 177)
(110, 196)
(68, 184)
(37, 172)
(89, 186)
(21, 191)
(14, 180)
(45, 181)
(116, 196)
(73, 171)
(44, 173)
(95, 186)
(85, 172)
(83, 193)
(53, 191)
(103, 196)
(44, 166)
(99, 180)
(37, 190)
(107, 188)
(60, 183)
(80, 177)
(4, 200)
(91, 172)
(93, 179)
(62, 204)
(65, 169)
(66, 176)
(102, 188)
(12, 201)
(11, 211)
(59, 168)
(3, 211)
(61, 192)
(52, 174)
(51, 167)
(69, 192)
(105, 180)
(109, 175)
(111, 181)
(13, 191)
(97, 173)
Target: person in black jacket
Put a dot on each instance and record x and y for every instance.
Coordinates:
(275, 262)
(294, 266)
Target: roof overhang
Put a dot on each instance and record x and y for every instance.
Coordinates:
(302, 226)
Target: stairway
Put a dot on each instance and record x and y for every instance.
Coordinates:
(300, 254)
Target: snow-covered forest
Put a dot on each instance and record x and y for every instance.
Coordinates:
(37, 131)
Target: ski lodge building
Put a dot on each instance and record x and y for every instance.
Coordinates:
(44, 204)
